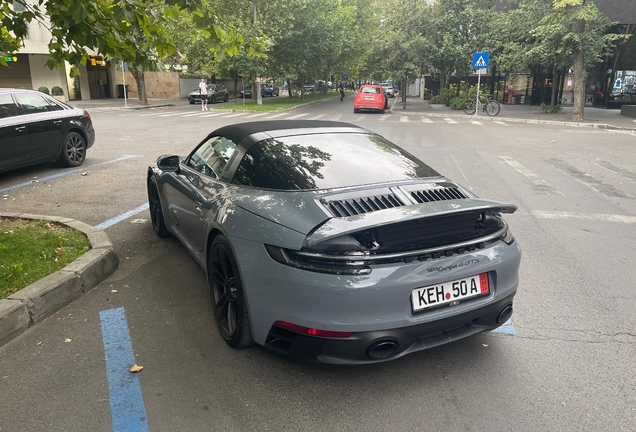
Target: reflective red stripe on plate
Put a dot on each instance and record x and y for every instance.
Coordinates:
(448, 292)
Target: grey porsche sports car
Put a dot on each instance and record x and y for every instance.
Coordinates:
(328, 243)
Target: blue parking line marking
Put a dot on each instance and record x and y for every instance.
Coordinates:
(506, 328)
(121, 217)
(61, 174)
(126, 401)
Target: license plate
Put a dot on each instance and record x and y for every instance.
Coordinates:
(368, 98)
(448, 292)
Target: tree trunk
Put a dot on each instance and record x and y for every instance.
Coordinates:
(555, 85)
(580, 77)
(405, 86)
(141, 85)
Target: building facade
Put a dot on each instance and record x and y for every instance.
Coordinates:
(27, 68)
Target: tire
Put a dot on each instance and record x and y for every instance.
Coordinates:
(191, 102)
(226, 98)
(356, 110)
(492, 108)
(469, 106)
(73, 150)
(156, 211)
(228, 296)
(212, 99)
(382, 111)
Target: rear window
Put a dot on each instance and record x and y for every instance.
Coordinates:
(325, 161)
(375, 90)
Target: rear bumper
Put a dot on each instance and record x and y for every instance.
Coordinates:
(384, 345)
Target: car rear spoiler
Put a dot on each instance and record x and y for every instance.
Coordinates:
(336, 227)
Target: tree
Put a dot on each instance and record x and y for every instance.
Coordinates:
(129, 30)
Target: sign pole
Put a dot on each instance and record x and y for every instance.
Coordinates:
(123, 78)
(478, 85)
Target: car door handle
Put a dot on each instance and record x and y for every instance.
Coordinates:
(21, 128)
(57, 122)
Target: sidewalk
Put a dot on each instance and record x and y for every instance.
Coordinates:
(601, 118)
(117, 103)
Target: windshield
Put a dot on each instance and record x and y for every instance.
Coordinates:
(325, 161)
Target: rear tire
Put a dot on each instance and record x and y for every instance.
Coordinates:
(191, 102)
(356, 110)
(212, 99)
(226, 98)
(493, 108)
(228, 297)
(73, 150)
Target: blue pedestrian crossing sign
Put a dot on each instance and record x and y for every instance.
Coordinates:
(480, 60)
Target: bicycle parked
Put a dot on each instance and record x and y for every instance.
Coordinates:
(488, 105)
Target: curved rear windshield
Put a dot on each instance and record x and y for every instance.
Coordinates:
(375, 90)
(325, 161)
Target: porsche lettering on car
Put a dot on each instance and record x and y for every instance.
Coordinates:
(312, 251)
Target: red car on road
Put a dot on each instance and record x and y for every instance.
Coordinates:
(370, 97)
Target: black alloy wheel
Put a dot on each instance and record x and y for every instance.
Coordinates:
(73, 150)
(228, 297)
(156, 213)
(212, 99)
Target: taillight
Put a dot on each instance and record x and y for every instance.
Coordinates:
(313, 331)
(88, 115)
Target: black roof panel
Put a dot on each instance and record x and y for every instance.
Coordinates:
(237, 132)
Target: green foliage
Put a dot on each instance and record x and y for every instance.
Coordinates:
(550, 109)
(456, 103)
(30, 250)
(57, 91)
(43, 89)
(437, 99)
(448, 93)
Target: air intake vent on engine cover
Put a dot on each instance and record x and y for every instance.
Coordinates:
(354, 206)
(437, 194)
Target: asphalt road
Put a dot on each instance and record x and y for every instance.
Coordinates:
(569, 367)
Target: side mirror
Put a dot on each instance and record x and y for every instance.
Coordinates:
(169, 163)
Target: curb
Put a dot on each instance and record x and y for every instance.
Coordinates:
(518, 120)
(43, 298)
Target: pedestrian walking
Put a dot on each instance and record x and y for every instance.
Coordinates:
(203, 90)
(342, 91)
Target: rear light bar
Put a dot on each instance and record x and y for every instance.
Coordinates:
(313, 331)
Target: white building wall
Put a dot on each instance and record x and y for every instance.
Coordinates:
(41, 75)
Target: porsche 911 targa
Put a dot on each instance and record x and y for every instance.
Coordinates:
(326, 242)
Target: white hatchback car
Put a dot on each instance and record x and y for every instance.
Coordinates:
(388, 88)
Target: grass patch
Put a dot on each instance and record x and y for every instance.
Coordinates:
(277, 103)
(32, 249)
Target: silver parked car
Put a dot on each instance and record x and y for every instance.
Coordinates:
(388, 89)
(314, 252)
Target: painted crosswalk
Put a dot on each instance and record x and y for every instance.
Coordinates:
(187, 113)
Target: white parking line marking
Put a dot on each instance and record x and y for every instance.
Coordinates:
(213, 114)
(336, 118)
(539, 183)
(317, 117)
(383, 118)
(233, 115)
(475, 122)
(298, 116)
(155, 113)
(602, 217)
(255, 115)
(500, 123)
(426, 120)
(404, 119)
(450, 121)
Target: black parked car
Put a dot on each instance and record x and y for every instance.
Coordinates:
(35, 128)
(216, 93)
(270, 90)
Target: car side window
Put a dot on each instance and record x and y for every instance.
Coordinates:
(32, 103)
(8, 108)
(212, 156)
(54, 107)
